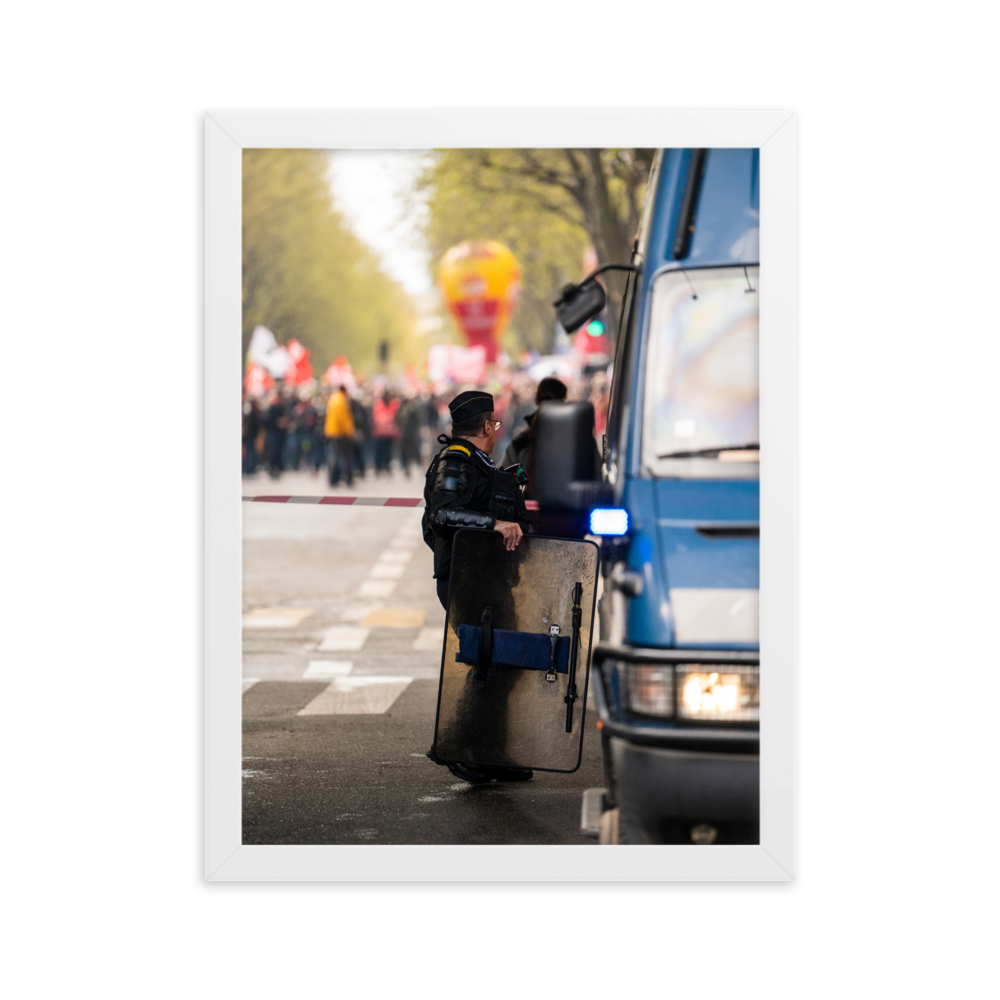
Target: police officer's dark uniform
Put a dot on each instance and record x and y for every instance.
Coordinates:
(464, 489)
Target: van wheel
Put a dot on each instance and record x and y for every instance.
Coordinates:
(609, 827)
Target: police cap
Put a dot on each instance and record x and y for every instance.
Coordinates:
(468, 404)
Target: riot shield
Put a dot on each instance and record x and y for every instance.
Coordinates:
(516, 655)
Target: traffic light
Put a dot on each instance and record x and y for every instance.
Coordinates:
(595, 328)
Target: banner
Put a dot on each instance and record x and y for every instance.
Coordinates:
(458, 364)
(341, 373)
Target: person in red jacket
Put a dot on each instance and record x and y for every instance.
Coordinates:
(385, 430)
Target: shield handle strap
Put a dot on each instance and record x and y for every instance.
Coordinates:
(550, 674)
(574, 653)
(486, 647)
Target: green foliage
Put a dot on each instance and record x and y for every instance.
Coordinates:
(547, 206)
(306, 275)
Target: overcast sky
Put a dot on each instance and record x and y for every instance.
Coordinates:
(369, 187)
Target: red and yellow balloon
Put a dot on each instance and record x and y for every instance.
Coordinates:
(481, 280)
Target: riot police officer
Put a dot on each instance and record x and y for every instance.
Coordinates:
(464, 489)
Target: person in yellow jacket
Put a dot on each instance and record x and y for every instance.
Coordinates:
(339, 429)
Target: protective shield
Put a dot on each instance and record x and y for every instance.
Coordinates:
(516, 655)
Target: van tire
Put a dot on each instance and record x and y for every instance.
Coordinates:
(608, 833)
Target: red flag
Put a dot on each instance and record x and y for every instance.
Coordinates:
(257, 381)
(300, 368)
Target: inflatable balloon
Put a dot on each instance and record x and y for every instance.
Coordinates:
(480, 280)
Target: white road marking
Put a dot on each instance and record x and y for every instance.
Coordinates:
(416, 673)
(463, 786)
(357, 696)
(369, 680)
(386, 571)
(324, 670)
(342, 638)
(248, 682)
(429, 639)
(395, 617)
(275, 617)
(355, 612)
(377, 588)
(396, 556)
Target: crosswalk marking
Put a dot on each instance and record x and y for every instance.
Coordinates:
(395, 617)
(323, 670)
(396, 555)
(386, 571)
(357, 696)
(342, 638)
(429, 639)
(275, 617)
(377, 588)
(355, 612)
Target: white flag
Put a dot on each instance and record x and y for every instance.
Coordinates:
(268, 353)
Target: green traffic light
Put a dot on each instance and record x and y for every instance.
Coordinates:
(595, 329)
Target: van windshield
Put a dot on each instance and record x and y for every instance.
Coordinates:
(702, 386)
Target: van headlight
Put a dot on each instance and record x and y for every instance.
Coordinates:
(727, 693)
(649, 689)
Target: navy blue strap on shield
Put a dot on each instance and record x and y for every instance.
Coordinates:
(527, 650)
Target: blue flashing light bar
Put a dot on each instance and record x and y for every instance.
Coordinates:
(608, 521)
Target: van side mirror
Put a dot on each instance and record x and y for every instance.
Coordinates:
(566, 480)
(579, 303)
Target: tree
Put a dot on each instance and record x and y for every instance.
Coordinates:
(540, 198)
(306, 275)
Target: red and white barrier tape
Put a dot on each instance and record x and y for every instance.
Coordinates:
(359, 501)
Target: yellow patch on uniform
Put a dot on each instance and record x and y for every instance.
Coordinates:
(458, 447)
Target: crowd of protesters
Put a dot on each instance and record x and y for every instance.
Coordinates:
(376, 428)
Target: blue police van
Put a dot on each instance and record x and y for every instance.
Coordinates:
(676, 672)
